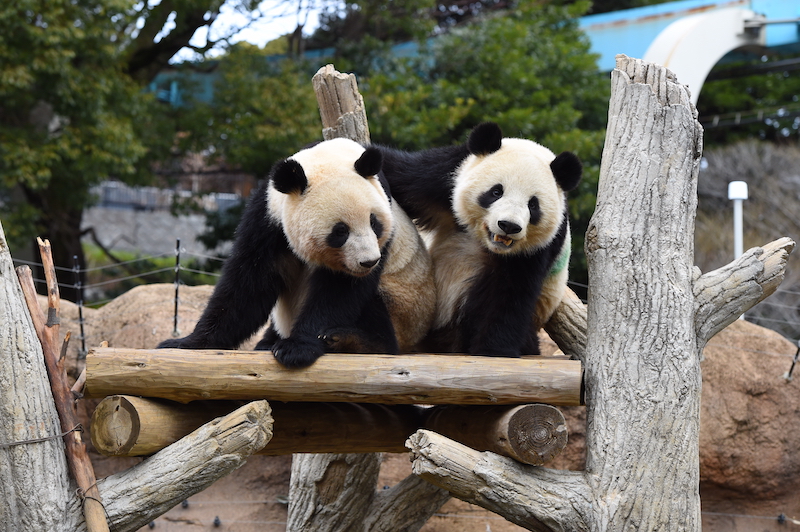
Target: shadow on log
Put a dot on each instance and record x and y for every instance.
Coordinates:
(531, 434)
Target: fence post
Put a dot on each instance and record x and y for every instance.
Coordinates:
(175, 331)
(79, 292)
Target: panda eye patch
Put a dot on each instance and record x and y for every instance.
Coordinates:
(338, 235)
(377, 226)
(533, 207)
(490, 196)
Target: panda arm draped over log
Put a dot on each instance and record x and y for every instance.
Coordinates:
(323, 252)
(496, 212)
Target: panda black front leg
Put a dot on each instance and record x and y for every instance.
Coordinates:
(248, 287)
(498, 313)
(335, 300)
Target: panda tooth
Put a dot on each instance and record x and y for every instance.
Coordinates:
(506, 241)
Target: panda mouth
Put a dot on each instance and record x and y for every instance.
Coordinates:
(500, 240)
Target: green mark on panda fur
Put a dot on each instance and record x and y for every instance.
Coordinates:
(562, 261)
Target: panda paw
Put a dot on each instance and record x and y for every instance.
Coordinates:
(297, 352)
(179, 343)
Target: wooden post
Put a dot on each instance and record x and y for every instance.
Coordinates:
(648, 316)
(184, 375)
(77, 457)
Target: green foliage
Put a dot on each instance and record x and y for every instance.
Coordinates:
(263, 111)
(528, 69)
(62, 126)
(72, 107)
(767, 104)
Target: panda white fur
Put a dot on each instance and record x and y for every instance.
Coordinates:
(496, 211)
(324, 251)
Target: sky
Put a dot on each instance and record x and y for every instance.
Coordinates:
(274, 18)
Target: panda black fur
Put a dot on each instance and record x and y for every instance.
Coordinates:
(323, 251)
(496, 215)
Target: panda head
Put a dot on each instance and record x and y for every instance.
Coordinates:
(510, 193)
(332, 207)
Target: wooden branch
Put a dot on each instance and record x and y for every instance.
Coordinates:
(567, 326)
(187, 375)
(532, 497)
(531, 434)
(138, 495)
(77, 457)
(404, 507)
(53, 299)
(721, 296)
(341, 106)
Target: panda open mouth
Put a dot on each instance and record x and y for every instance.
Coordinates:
(505, 241)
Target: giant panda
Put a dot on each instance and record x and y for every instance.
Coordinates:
(323, 251)
(495, 211)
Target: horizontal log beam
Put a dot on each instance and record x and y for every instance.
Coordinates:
(188, 375)
(124, 425)
(532, 434)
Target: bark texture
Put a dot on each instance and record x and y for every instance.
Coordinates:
(34, 483)
(138, 495)
(648, 316)
(184, 376)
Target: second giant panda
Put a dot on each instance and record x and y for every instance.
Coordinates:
(323, 251)
(496, 211)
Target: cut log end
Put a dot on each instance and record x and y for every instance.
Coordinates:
(537, 433)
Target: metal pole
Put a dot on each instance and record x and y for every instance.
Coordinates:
(737, 192)
(79, 293)
(175, 331)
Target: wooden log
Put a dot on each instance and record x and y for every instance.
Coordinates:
(138, 426)
(125, 425)
(186, 375)
(531, 434)
(341, 106)
(138, 495)
(78, 459)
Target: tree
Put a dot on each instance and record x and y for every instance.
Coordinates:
(528, 68)
(752, 98)
(72, 107)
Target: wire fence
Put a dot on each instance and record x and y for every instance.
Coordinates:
(758, 315)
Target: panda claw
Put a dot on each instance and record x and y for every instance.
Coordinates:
(296, 352)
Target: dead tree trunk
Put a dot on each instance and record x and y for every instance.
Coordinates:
(649, 316)
(34, 483)
(36, 491)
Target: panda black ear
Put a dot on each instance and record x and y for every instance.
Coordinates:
(370, 162)
(567, 169)
(486, 138)
(288, 177)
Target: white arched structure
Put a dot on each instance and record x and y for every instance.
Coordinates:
(691, 46)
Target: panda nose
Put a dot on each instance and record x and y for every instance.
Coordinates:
(510, 228)
(369, 263)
